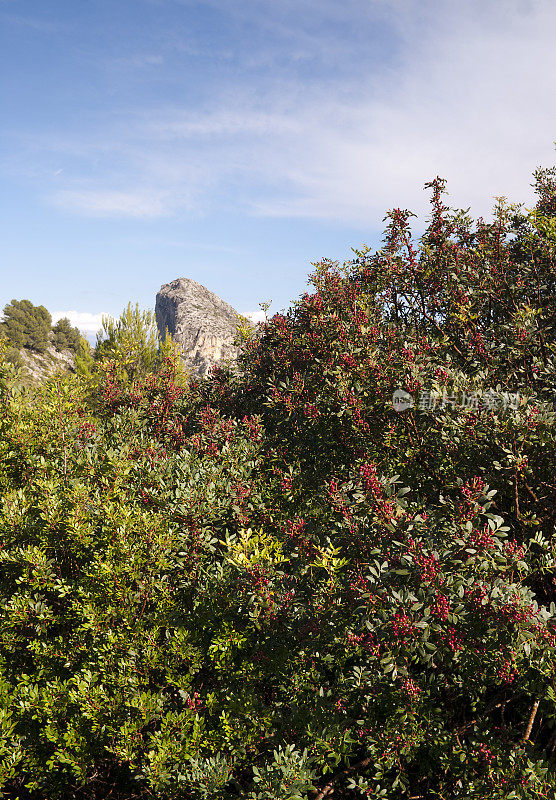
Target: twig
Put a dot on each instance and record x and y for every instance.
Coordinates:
(502, 704)
(551, 513)
(529, 728)
(551, 744)
(63, 428)
(328, 790)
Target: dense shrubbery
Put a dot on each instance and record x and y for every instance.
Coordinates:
(274, 585)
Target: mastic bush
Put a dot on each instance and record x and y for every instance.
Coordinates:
(278, 583)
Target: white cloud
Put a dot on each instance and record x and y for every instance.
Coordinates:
(84, 320)
(255, 316)
(471, 99)
(470, 104)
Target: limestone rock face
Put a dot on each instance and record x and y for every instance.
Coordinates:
(38, 367)
(203, 325)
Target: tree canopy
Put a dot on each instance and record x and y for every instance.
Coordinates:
(27, 325)
(65, 336)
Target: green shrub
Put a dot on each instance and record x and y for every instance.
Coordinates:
(12, 354)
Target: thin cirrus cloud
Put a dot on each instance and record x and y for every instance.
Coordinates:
(33, 23)
(472, 99)
(111, 202)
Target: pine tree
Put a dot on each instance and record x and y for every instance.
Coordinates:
(66, 337)
(27, 325)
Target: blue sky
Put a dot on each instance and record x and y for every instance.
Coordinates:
(236, 141)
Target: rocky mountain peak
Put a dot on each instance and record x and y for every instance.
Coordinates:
(201, 323)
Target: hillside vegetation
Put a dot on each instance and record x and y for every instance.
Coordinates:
(33, 344)
(277, 584)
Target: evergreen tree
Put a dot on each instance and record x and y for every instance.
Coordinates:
(66, 337)
(131, 341)
(27, 325)
(84, 360)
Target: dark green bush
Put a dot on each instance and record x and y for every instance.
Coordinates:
(13, 356)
